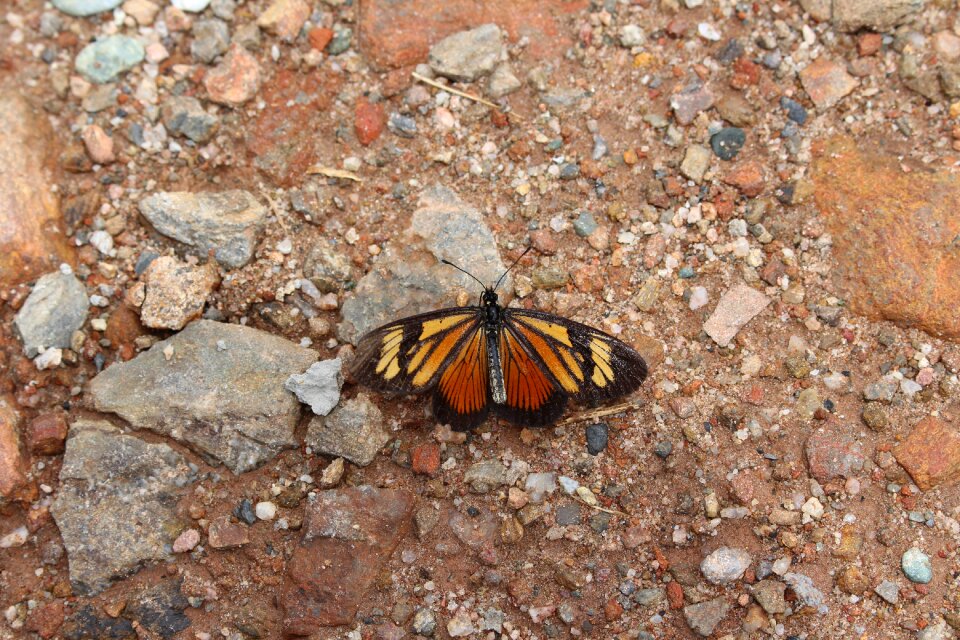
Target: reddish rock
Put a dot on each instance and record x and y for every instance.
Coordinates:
(931, 453)
(544, 241)
(98, 144)
(748, 178)
(32, 239)
(235, 80)
(224, 533)
(869, 43)
(831, 455)
(826, 82)
(368, 121)
(46, 434)
(12, 464)
(745, 73)
(348, 536)
(612, 610)
(749, 485)
(425, 458)
(283, 138)
(46, 619)
(675, 595)
(320, 37)
(397, 34)
(124, 326)
(894, 236)
(284, 18)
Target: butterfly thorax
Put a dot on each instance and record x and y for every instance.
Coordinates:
(492, 311)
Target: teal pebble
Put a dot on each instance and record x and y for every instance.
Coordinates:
(341, 41)
(83, 8)
(585, 224)
(686, 272)
(103, 60)
(916, 566)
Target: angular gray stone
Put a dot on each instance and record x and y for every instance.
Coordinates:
(725, 565)
(55, 308)
(704, 617)
(220, 392)
(485, 475)
(878, 15)
(116, 507)
(736, 308)
(104, 60)
(409, 279)
(353, 431)
(319, 386)
(769, 594)
(211, 38)
(503, 82)
(807, 594)
(185, 116)
(229, 222)
(695, 163)
(467, 55)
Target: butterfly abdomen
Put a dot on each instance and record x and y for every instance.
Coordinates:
(498, 392)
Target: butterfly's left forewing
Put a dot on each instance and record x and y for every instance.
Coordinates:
(583, 363)
(411, 354)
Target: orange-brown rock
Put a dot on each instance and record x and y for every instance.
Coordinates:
(896, 236)
(931, 453)
(12, 477)
(32, 240)
(396, 34)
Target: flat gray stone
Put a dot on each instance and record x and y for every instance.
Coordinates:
(467, 55)
(83, 8)
(319, 386)
(185, 116)
(704, 617)
(409, 279)
(878, 15)
(55, 308)
(220, 392)
(229, 222)
(736, 308)
(116, 507)
(104, 60)
(725, 565)
(354, 431)
(807, 594)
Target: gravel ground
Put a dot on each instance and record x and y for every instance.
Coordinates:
(204, 204)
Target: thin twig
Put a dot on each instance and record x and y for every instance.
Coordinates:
(462, 94)
(605, 510)
(597, 413)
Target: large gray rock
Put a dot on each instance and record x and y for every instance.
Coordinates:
(409, 278)
(467, 55)
(354, 431)
(879, 15)
(117, 503)
(228, 222)
(55, 308)
(215, 387)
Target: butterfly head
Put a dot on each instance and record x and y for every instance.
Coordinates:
(489, 297)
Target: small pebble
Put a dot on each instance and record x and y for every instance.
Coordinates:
(266, 511)
(916, 566)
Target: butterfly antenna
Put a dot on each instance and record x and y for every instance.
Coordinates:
(511, 267)
(465, 271)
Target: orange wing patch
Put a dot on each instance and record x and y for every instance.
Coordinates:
(432, 362)
(464, 381)
(526, 385)
(548, 354)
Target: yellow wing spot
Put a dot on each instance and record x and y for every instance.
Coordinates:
(556, 331)
(571, 363)
(602, 372)
(389, 352)
(437, 355)
(433, 327)
(422, 348)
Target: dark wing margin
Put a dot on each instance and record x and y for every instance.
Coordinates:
(410, 354)
(585, 363)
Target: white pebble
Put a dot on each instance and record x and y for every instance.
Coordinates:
(698, 298)
(49, 359)
(16, 538)
(102, 242)
(708, 32)
(285, 246)
(266, 510)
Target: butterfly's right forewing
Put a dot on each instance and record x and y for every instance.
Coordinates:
(409, 355)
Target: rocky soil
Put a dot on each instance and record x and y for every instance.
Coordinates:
(204, 204)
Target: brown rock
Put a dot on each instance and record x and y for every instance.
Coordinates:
(225, 534)
(99, 145)
(931, 453)
(176, 292)
(831, 455)
(748, 178)
(894, 236)
(12, 464)
(32, 240)
(397, 34)
(852, 580)
(348, 535)
(46, 434)
(675, 595)
(869, 43)
(235, 80)
(368, 121)
(284, 18)
(826, 82)
(124, 326)
(425, 458)
(46, 619)
(320, 37)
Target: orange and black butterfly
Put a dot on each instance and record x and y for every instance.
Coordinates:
(518, 364)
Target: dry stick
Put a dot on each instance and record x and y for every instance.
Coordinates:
(443, 87)
(597, 413)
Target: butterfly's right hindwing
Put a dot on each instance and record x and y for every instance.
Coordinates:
(409, 355)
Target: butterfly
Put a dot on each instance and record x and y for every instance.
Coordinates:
(520, 365)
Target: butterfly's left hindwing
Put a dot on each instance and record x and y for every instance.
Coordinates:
(410, 355)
